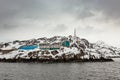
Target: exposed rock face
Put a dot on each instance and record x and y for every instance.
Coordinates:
(86, 42)
(6, 51)
(79, 49)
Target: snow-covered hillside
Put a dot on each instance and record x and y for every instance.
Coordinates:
(79, 48)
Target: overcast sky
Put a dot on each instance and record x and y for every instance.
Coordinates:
(93, 19)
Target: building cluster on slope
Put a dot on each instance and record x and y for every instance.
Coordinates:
(50, 44)
(46, 46)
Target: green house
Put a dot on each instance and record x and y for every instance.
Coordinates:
(66, 44)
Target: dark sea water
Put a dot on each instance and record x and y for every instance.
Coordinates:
(60, 71)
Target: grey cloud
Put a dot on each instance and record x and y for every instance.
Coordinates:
(8, 26)
(42, 9)
(60, 28)
(89, 30)
(85, 14)
(36, 15)
(109, 8)
(84, 8)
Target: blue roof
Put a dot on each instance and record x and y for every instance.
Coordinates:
(28, 47)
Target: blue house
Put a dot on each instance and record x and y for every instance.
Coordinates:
(28, 47)
(66, 43)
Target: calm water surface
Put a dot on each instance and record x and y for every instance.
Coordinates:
(60, 71)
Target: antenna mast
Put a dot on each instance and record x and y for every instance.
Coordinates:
(74, 32)
(75, 35)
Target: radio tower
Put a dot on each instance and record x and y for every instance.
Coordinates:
(75, 35)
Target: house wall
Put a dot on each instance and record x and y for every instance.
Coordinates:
(29, 47)
(50, 46)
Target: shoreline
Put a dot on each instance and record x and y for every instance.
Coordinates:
(34, 60)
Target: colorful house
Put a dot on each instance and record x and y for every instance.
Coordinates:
(28, 47)
(66, 43)
(54, 46)
(48, 46)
